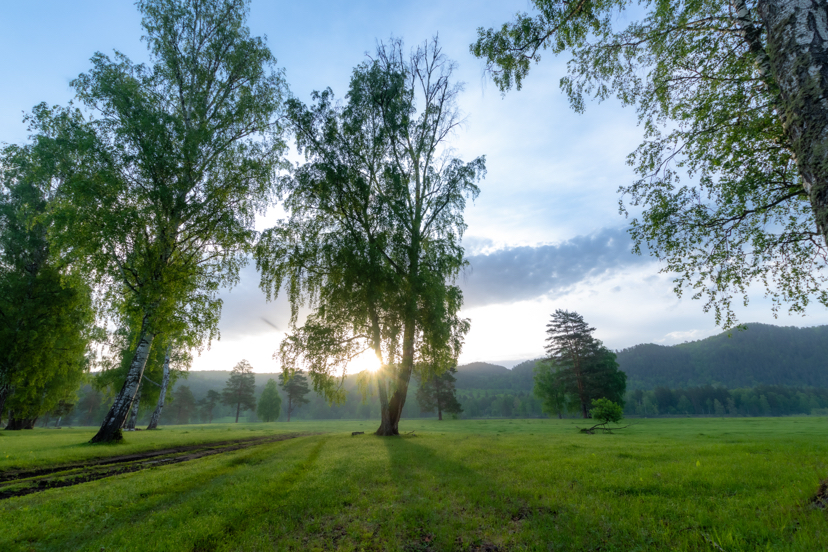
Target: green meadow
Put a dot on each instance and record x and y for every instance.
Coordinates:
(661, 484)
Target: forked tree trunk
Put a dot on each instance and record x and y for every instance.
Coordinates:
(797, 52)
(111, 427)
(162, 395)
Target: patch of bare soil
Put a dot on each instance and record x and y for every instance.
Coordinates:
(820, 499)
(23, 482)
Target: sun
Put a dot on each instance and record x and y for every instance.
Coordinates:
(366, 361)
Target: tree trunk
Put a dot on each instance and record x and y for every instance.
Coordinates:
(133, 417)
(5, 391)
(111, 427)
(439, 408)
(17, 424)
(238, 408)
(797, 51)
(391, 425)
(57, 423)
(162, 395)
(290, 406)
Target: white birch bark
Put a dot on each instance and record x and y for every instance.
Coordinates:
(111, 427)
(133, 417)
(162, 395)
(797, 50)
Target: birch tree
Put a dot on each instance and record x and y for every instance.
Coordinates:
(731, 95)
(162, 183)
(375, 218)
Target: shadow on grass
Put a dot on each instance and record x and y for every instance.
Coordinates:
(445, 502)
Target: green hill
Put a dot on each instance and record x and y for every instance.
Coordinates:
(760, 355)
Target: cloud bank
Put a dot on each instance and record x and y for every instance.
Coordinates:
(521, 273)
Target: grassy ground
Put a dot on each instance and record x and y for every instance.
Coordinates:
(668, 484)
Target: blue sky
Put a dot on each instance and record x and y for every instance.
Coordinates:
(545, 232)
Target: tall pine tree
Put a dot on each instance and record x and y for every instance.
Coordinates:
(586, 369)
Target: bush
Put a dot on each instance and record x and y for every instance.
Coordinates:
(605, 411)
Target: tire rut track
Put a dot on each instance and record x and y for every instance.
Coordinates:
(24, 482)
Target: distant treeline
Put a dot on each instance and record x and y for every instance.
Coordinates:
(760, 355)
(762, 371)
(763, 400)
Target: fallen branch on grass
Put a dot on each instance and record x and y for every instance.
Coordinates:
(603, 427)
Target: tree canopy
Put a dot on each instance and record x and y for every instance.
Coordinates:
(46, 316)
(240, 389)
(295, 386)
(733, 169)
(437, 392)
(583, 368)
(270, 403)
(160, 186)
(372, 241)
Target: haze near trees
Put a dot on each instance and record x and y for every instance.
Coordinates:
(730, 93)
(240, 389)
(372, 241)
(295, 386)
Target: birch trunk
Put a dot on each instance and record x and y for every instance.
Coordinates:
(111, 426)
(162, 395)
(390, 423)
(133, 417)
(797, 51)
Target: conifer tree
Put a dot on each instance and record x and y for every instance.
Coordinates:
(295, 386)
(438, 392)
(586, 369)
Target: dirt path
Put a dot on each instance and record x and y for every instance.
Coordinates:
(23, 482)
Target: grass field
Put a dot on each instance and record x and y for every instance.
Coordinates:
(666, 484)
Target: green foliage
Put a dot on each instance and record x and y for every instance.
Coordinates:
(46, 317)
(697, 73)
(375, 222)
(707, 400)
(584, 368)
(549, 388)
(240, 389)
(163, 172)
(270, 403)
(437, 392)
(606, 412)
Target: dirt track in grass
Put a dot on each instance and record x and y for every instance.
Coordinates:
(23, 482)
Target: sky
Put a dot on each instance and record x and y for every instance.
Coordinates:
(545, 232)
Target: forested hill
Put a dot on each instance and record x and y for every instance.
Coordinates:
(484, 376)
(761, 354)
